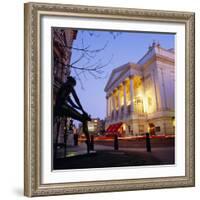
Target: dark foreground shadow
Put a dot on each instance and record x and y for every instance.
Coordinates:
(112, 158)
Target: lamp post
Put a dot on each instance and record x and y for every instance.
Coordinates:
(148, 142)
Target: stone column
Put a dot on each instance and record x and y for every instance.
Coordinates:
(110, 106)
(113, 103)
(132, 93)
(125, 106)
(107, 106)
(119, 104)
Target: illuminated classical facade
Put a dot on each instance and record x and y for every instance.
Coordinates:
(141, 97)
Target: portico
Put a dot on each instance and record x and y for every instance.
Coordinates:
(120, 101)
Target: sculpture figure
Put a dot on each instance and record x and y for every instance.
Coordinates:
(65, 107)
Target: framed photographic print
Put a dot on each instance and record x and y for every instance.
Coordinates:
(109, 99)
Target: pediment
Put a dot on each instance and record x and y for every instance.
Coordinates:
(116, 73)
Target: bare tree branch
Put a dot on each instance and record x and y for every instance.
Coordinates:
(85, 49)
(87, 61)
(78, 77)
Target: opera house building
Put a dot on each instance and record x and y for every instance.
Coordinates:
(140, 96)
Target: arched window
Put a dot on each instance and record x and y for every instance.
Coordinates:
(138, 105)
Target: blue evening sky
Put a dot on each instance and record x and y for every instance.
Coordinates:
(120, 48)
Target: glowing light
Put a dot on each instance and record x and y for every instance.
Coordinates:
(128, 102)
(145, 105)
(143, 98)
(70, 154)
(124, 127)
(174, 122)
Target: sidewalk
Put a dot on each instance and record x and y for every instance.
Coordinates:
(81, 149)
(106, 156)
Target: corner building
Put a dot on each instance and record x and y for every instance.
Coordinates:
(140, 97)
(62, 40)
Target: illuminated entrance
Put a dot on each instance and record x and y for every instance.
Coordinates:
(151, 129)
(115, 129)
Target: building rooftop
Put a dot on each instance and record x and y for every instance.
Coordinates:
(154, 49)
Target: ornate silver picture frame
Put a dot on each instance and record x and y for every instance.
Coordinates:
(34, 170)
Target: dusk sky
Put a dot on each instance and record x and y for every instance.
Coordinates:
(121, 48)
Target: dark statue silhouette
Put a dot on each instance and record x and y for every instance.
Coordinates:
(65, 107)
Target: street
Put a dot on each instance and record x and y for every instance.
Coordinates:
(132, 152)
